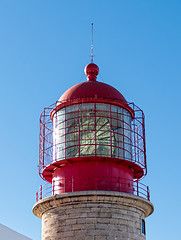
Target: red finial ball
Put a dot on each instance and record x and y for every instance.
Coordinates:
(91, 70)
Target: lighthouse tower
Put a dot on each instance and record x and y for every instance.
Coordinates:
(92, 156)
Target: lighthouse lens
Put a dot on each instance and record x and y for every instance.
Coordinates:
(92, 129)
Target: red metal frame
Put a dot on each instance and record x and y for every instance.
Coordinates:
(137, 141)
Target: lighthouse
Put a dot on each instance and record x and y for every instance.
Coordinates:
(92, 157)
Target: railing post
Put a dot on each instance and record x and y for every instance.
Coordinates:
(40, 192)
(137, 188)
(148, 193)
(53, 190)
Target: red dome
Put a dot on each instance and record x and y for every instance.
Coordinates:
(92, 88)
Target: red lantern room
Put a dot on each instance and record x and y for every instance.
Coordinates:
(92, 139)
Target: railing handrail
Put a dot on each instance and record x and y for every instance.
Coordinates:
(138, 188)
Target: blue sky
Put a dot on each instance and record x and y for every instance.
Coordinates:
(44, 47)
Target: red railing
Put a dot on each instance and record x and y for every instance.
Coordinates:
(136, 188)
(126, 142)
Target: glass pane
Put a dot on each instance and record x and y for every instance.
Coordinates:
(72, 108)
(102, 106)
(102, 110)
(103, 150)
(59, 135)
(114, 108)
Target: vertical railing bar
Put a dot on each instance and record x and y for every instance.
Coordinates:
(53, 190)
(43, 138)
(79, 122)
(110, 117)
(95, 127)
(148, 193)
(37, 196)
(40, 192)
(137, 188)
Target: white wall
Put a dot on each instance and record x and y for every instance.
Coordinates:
(9, 234)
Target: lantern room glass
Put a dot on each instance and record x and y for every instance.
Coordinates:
(92, 129)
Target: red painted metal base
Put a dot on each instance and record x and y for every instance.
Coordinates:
(100, 173)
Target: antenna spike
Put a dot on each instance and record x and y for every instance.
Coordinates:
(92, 43)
